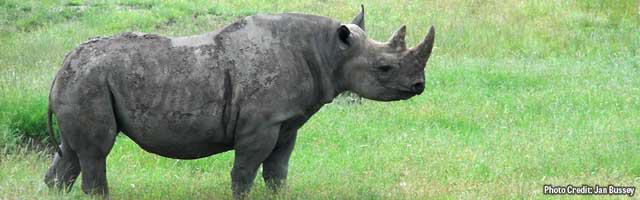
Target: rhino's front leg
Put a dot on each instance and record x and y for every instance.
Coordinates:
(275, 167)
(250, 151)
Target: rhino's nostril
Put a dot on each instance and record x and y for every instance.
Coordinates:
(418, 87)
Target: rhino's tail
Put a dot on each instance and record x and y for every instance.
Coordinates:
(50, 130)
(50, 121)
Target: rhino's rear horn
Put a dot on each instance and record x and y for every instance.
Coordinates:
(359, 20)
(423, 50)
(397, 39)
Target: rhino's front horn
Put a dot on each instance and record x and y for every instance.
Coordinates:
(423, 50)
(397, 39)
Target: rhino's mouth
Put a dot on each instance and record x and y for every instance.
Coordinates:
(406, 94)
(402, 92)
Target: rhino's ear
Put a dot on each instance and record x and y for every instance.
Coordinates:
(423, 50)
(343, 34)
(397, 39)
(359, 20)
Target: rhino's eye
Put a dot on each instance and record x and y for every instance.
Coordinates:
(384, 68)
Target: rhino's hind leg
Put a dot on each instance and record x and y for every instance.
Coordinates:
(89, 127)
(64, 170)
(92, 145)
(87, 139)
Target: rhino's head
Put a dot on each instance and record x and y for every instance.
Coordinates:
(382, 71)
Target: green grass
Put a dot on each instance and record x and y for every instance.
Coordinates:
(519, 94)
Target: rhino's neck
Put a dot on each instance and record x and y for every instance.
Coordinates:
(323, 61)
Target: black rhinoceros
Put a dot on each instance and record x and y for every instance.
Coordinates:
(246, 87)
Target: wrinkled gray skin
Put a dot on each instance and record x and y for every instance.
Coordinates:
(247, 87)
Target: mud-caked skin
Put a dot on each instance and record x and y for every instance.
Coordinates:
(247, 87)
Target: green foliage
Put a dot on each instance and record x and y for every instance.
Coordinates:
(518, 94)
(27, 117)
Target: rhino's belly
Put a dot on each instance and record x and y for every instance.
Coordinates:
(184, 143)
(192, 150)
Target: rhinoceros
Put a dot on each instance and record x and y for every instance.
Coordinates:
(247, 87)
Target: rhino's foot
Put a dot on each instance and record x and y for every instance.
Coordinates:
(240, 195)
(276, 186)
(242, 181)
(63, 171)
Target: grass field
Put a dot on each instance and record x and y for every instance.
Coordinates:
(519, 94)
